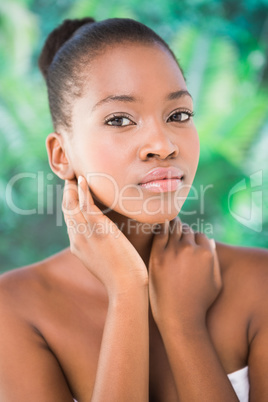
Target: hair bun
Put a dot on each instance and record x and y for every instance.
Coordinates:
(57, 38)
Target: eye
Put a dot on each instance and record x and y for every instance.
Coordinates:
(181, 116)
(119, 121)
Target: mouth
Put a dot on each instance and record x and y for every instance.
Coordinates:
(162, 179)
(163, 185)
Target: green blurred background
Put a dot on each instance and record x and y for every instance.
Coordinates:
(223, 48)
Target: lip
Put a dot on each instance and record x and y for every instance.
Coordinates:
(162, 186)
(162, 173)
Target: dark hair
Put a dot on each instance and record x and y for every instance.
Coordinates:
(73, 45)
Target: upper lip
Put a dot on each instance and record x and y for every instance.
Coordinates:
(161, 173)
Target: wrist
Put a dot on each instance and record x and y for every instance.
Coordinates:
(128, 292)
(120, 285)
(183, 326)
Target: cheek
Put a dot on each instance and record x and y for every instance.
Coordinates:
(95, 156)
(102, 165)
(192, 152)
(196, 152)
(101, 159)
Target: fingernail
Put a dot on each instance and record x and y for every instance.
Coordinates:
(212, 242)
(80, 178)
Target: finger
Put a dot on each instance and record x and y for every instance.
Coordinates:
(217, 268)
(70, 204)
(73, 217)
(175, 231)
(212, 243)
(91, 213)
(64, 196)
(87, 206)
(161, 237)
(202, 240)
(187, 234)
(84, 195)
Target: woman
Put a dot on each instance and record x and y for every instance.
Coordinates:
(140, 308)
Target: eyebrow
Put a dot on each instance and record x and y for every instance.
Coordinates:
(117, 98)
(178, 95)
(131, 99)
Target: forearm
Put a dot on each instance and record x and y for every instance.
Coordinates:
(123, 367)
(197, 371)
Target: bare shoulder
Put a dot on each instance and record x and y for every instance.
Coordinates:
(22, 295)
(62, 276)
(20, 284)
(251, 262)
(249, 254)
(24, 352)
(245, 274)
(39, 304)
(245, 277)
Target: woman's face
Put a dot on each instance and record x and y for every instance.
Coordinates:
(135, 116)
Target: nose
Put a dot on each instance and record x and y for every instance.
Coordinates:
(157, 144)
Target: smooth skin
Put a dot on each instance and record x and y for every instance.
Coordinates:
(128, 315)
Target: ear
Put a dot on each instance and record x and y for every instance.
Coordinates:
(58, 159)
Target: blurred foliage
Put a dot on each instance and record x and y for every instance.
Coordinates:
(222, 46)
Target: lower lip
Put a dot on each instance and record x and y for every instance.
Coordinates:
(162, 186)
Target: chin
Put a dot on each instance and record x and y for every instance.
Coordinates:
(156, 211)
(151, 218)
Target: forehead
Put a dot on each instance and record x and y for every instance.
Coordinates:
(134, 68)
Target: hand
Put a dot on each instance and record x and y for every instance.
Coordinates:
(184, 275)
(99, 243)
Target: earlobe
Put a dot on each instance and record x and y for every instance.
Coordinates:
(58, 159)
